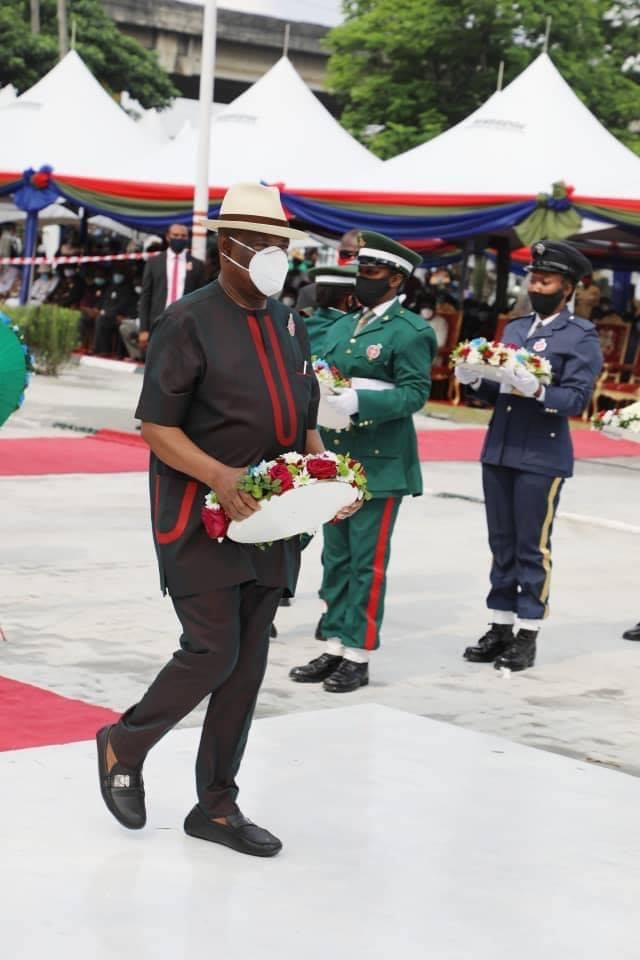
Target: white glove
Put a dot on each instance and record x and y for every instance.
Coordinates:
(522, 380)
(465, 374)
(345, 401)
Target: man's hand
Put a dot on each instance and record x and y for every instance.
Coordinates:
(345, 401)
(348, 511)
(465, 375)
(236, 504)
(143, 338)
(522, 380)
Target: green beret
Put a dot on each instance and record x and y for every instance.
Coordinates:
(376, 248)
(333, 276)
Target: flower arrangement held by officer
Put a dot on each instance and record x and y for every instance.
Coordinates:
(387, 352)
(528, 453)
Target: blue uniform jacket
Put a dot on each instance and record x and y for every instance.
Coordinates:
(525, 433)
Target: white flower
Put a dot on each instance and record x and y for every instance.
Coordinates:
(211, 502)
(292, 457)
(302, 479)
(495, 360)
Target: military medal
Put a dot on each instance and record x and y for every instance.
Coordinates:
(373, 351)
(540, 345)
(291, 326)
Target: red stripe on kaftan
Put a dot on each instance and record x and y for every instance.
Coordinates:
(285, 440)
(189, 495)
(254, 329)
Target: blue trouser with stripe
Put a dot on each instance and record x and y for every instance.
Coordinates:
(520, 509)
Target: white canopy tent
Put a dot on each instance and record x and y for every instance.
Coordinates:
(276, 131)
(69, 121)
(534, 133)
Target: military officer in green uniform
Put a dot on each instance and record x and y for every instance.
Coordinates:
(386, 351)
(335, 296)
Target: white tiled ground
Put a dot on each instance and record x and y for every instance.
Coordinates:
(404, 838)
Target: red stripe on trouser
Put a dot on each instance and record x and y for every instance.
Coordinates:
(183, 514)
(378, 574)
(284, 438)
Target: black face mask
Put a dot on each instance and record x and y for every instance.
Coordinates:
(178, 245)
(546, 304)
(370, 291)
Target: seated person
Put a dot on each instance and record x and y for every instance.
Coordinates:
(43, 286)
(70, 287)
(118, 303)
(90, 304)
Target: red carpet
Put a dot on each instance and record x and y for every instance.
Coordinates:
(107, 451)
(467, 444)
(111, 451)
(33, 717)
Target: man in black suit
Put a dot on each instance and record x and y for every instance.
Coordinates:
(166, 278)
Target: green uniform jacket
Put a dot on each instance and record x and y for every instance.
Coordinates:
(398, 347)
(318, 326)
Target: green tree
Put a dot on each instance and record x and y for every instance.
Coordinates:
(119, 62)
(405, 71)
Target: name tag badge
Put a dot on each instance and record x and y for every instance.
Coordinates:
(540, 345)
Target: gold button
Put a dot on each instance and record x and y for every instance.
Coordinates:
(347, 351)
(376, 452)
(353, 340)
(337, 442)
(508, 409)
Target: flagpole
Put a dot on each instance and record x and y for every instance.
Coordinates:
(207, 73)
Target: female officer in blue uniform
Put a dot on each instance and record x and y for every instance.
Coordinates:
(528, 454)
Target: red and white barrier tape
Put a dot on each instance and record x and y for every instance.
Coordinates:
(109, 258)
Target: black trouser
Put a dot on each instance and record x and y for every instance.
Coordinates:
(223, 652)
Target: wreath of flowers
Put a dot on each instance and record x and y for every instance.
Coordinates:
(622, 418)
(481, 351)
(328, 375)
(29, 367)
(273, 478)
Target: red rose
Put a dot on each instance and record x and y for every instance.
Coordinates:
(322, 469)
(279, 471)
(216, 522)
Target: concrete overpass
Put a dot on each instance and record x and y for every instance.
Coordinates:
(247, 44)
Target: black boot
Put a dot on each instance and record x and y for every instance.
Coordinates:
(520, 654)
(348, 676)
(491, 645)
(318, 634)
(316, 670)
(633, 633)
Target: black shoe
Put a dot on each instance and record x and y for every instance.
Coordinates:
(318, 634)
(273, 631)
(284, 602)
(633, 633)
(491, 645)
(238, 833)
(122, 788)
(349, 676)
(316, 670)
(521, 652)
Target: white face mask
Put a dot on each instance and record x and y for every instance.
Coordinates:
(267, 268)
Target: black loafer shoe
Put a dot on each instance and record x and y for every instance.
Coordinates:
(238, 833)
(633, 633)
(122, 788)
(316, 670)
(349, 676)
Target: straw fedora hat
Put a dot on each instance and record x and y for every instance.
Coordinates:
(251, 206)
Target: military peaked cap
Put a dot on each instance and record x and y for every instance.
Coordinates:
(376, 248)
(334, 276)
(559, 256)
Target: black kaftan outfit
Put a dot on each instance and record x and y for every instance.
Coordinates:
(240, 385)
